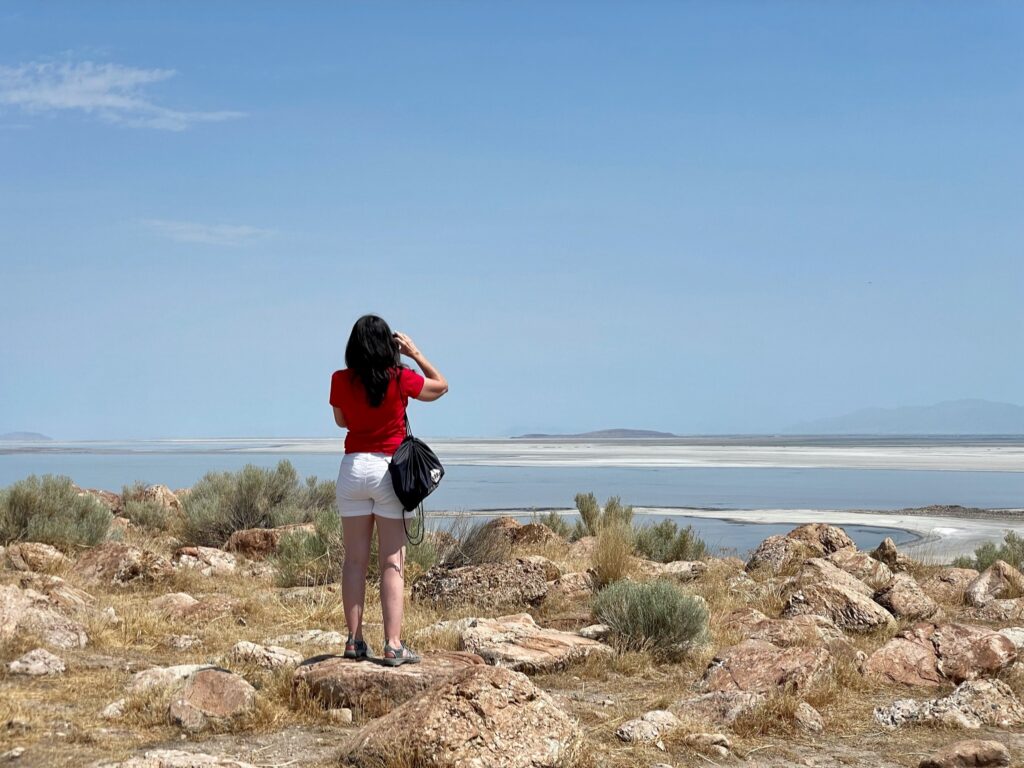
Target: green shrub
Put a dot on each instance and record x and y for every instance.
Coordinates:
(613, 552)
(555, 522)
(665, 542)
(49, 510)
(476, 543)
(147, 514)
(311, 559)
(224, 502)
(592, 517)
(1011, 551)
(654, 617)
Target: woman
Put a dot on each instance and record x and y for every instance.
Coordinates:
(369, 399)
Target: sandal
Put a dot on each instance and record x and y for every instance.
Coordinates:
(356, 649)
(401, 655)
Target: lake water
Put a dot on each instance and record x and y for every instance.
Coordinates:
(516, 476)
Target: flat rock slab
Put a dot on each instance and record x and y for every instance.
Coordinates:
(758, 666)
(372, 688)
(518, 643)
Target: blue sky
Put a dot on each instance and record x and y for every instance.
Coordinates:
(697, 217)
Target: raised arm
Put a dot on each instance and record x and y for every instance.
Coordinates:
(434, 384)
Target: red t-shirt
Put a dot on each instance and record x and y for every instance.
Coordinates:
(374, 430)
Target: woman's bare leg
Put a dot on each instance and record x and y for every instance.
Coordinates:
(357, 532)
(391, 549)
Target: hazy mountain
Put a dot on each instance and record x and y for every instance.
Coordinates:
(953, 417)
(605, 433)
(24, 437)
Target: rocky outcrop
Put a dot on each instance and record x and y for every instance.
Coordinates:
(972, 753)
(35, 556)
(929, 654)
(999, 580)
(268, 657)
(973, 704)
(760, 667)
(211, 696)
(207, 560)
(372, 689)
(999, 611)
(551, 571)
(808, 629)
(518, 643)
(823, 589)
(887, 553)
(115, 564)
(949, 585)
(904, 599)
(261, 543)
(37, 663)
(26, 611)
(493, 586)
(862, 566)
(484, 716)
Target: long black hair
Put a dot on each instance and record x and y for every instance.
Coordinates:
(370, 354)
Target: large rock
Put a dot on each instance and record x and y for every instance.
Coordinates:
(374, 689)
(484, 717)
(760, 667)
(973, 704)
(163, 677)
(929, 654)
(36, 663)
(35, 556)
(862, 566)
(492, 586)
(949, 585)
(162, 495)
(207, 560)
(115, 564)
(818, 570)
(904, 599)
(520, 534)
(999, 580)
(261, 543)
(268, 657)
(211, 696)
(176, 758)
(848, 608)
(517, 642)
(57, 591)
(809, 629)
(887, 553)
(999, 611)
(805, 541)
(571, 587)
(972, 753)
(25, 611)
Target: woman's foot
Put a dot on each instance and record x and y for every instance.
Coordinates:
(356, 649)
(401, 655)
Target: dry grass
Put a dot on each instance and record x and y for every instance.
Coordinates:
(613, 553)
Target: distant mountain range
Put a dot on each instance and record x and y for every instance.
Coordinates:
(953, 417)
(604, 433)
(24, 437)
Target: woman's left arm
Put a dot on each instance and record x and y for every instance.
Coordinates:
(339, 418)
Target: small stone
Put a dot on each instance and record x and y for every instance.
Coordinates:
(341, 715)
(36, 663)
(182, 642)
(648, 728)
(269, 657)
(114, 710)
(11, 754)
(971, 753)
(595, 632)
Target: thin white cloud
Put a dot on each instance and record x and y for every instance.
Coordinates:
(108, 91)
(207, 234)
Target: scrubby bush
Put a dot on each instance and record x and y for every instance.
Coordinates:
(665, 542)
(310, 559)
(476, 543)
(593, 517)
(146, 513)
(555, 522)
(1010, 551)
(613, 552)
(224, 502)
(654, 617)
(50, 510)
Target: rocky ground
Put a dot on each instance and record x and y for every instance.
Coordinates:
(143, 653)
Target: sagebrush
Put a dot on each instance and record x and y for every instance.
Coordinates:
(665, 542)
(50, 510)
(653, 616)
(1010, 551)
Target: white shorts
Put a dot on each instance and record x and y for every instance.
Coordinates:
(364, 487)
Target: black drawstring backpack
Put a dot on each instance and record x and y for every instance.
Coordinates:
(415, 473)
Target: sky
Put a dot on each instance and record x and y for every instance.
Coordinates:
(697, 217)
